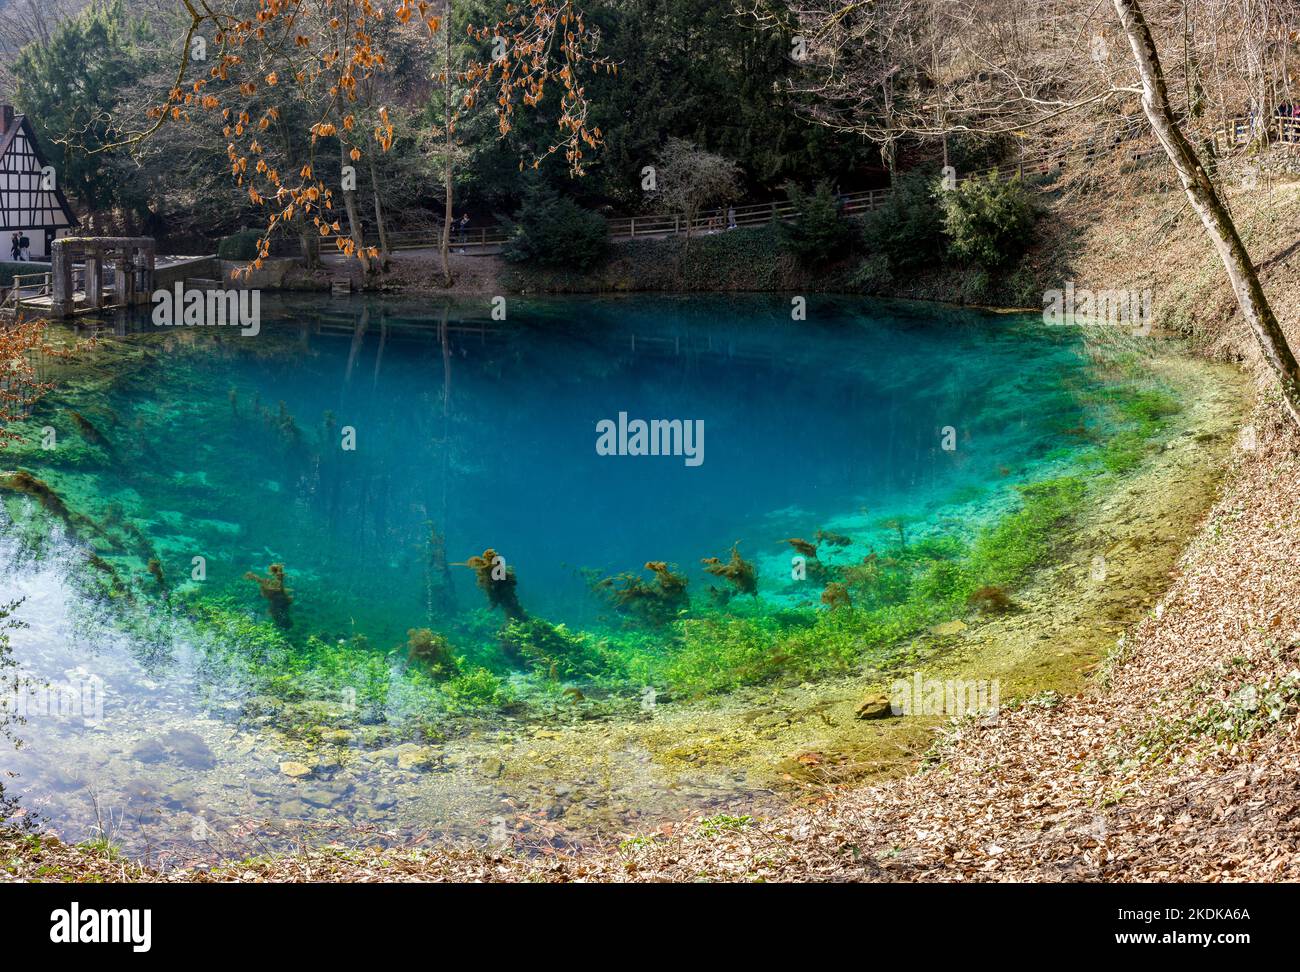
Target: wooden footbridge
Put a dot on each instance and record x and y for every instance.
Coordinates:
(87, 274)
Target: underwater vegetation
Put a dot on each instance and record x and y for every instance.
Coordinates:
(433, 651)
(737, 571)
(815, 569)
(991, 599)
(899, 526)
(802, 547)
(284, 423)
(654, 603)
(497, 581)
(278, 597)
(89, 432)
(836, 595)
(21, 481)
(558, 653)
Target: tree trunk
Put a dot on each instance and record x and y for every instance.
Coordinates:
(1205, 200)
(354, 227)
(310, 240)
(379, 214)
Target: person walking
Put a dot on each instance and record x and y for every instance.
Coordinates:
(15, 251)
(23, 244)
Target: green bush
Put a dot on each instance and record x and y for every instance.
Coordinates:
(240, 245)
(552, 231)
(9, 268)
(908, 229)
(989, 221)
(819, 234)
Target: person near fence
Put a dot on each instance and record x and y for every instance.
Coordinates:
(731, 217)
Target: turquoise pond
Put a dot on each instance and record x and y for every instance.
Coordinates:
(372, 447)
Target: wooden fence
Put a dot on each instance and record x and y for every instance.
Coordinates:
(1242, 131)
(715, 219)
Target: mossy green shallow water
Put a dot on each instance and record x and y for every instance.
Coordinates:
(182, 445)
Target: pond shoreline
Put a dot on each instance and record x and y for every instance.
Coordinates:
(807, 738)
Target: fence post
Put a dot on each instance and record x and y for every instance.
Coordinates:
(631, 227)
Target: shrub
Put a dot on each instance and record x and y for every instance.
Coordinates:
(989, 221)
(552, 231)
(819, 234)
(908, 229)
(240, 245)
(8, 269)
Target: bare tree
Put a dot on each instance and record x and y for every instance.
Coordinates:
(1205, 200)
(687, 178)
(1048, 76)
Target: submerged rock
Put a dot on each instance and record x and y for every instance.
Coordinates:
(875, 707)
(295, 770)
(190, 749)
(415, 758)
(66, 780)
(181, 796)
(149, 751)
(325, 794)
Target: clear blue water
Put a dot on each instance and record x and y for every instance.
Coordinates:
(201, 443)
(489, 438)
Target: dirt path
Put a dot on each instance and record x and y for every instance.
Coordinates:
(419, 272)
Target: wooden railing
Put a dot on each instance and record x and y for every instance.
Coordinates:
(1239, 132)
(760, 214)
(38, 287)
(476, 236)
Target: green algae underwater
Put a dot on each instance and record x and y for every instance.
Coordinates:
(300, 570)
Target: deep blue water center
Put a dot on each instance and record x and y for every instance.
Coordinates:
(485, 431)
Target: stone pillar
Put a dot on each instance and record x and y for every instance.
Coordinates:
(95, 279)
(62, 301)
(149, 261)
(122, 276)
